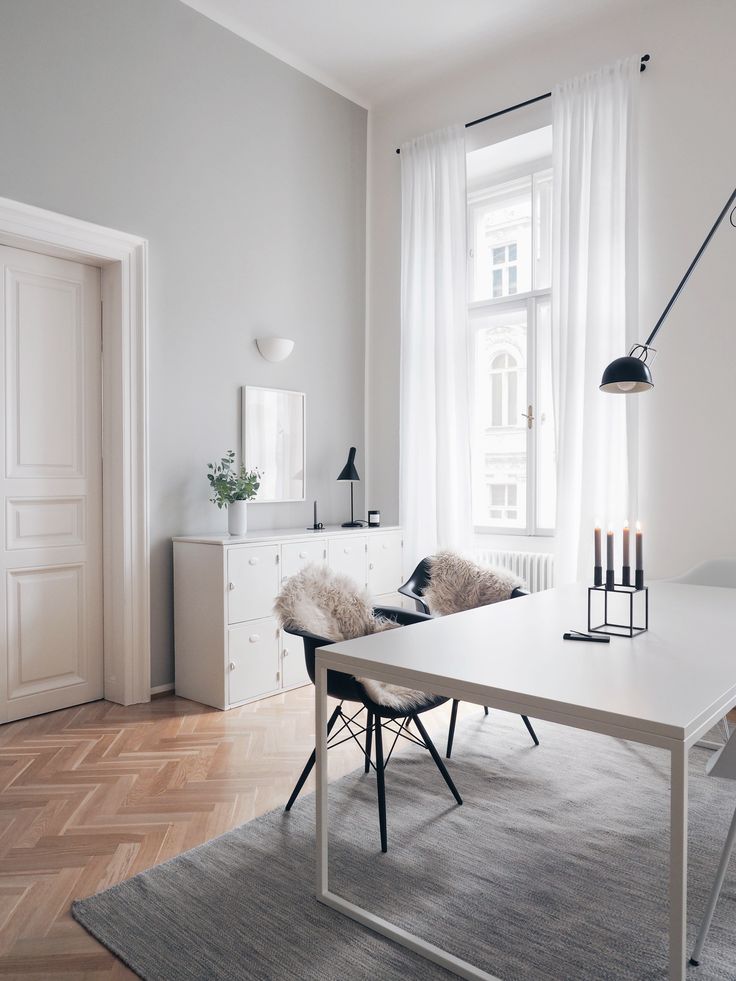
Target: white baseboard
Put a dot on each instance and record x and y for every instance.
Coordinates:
(162, 689)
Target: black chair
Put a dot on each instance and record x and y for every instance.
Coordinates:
(380, 719)
(414, 588)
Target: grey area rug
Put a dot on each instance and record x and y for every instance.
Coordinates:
(555, 868)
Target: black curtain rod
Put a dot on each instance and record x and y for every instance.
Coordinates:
(529, 102)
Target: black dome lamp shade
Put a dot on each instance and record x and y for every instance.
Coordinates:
(631, 374)
(628, 375)
(349, 472)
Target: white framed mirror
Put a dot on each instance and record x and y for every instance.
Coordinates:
(274, 442)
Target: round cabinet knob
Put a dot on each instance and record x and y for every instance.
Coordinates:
(370, 565)
(231, 586)
(286, 652)
(303, 555)
(384, 546)
(231, 666)
(346, 551)
(253, 561)
(254, 638)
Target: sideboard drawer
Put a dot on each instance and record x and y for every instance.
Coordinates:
(253, 581)
(347, 556)
(384, 563)
(253, 653)
(295, 555)
(293, 662)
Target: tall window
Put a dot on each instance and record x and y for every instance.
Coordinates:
(513, 465)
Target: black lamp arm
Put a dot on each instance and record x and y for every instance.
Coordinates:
(693, 264)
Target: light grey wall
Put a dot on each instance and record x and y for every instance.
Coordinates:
(248, 180)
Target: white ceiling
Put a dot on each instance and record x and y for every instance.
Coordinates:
(369, 50)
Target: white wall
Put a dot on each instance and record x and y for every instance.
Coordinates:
(248, 180)
(687, 155)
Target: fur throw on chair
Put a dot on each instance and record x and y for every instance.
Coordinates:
(327, 604)
(458, 584)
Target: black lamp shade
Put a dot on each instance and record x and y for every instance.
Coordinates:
(349, 472)
(626, 376)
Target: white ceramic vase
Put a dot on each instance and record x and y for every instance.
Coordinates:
(237, 517)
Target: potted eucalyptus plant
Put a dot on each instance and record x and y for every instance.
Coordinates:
(232, 487)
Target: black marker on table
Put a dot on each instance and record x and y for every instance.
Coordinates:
(594, 638)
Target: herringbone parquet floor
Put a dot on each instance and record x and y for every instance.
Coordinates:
(94, 794)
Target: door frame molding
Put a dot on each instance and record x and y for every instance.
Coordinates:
(123, 260)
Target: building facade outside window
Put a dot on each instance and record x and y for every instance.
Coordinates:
(513, 445)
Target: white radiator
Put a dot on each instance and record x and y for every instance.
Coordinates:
(537, 569)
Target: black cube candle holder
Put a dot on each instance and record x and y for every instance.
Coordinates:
(636, 596)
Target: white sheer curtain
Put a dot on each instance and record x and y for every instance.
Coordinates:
(594, 304)
(435, 421)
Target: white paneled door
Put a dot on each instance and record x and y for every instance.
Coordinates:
(51, 626)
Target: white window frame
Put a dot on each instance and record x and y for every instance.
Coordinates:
(530, 300)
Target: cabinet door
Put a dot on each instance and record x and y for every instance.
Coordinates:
(253, 581)
(253, 655)
(347, 556)
(295, 555)
(384, 563)
(293, 663)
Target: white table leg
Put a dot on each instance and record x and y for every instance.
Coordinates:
(320, 742)
(678, 861)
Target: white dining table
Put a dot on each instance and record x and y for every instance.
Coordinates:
(664, 688)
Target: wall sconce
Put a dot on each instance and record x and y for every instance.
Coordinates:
(274, 348)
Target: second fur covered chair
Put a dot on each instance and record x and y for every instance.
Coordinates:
(450, 583)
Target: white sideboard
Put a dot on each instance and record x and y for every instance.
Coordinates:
(229, 649)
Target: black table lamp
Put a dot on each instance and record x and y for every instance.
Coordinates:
(349, 472)
(631, 374)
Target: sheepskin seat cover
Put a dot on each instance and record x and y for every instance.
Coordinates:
(327, 604)
(457, 584)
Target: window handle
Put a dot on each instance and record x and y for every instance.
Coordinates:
(529, 416)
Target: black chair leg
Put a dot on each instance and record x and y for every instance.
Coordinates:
(485, 709)
(368, 737)
(436, 757)
(380, 783)
(451, 730)
(311, 761)
(532, 733)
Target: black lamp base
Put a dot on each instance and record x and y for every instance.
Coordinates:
(352, 523)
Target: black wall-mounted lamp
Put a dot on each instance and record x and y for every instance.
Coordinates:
(632, 374)
(349, 472)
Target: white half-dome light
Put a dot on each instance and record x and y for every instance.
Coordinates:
(275, 348)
